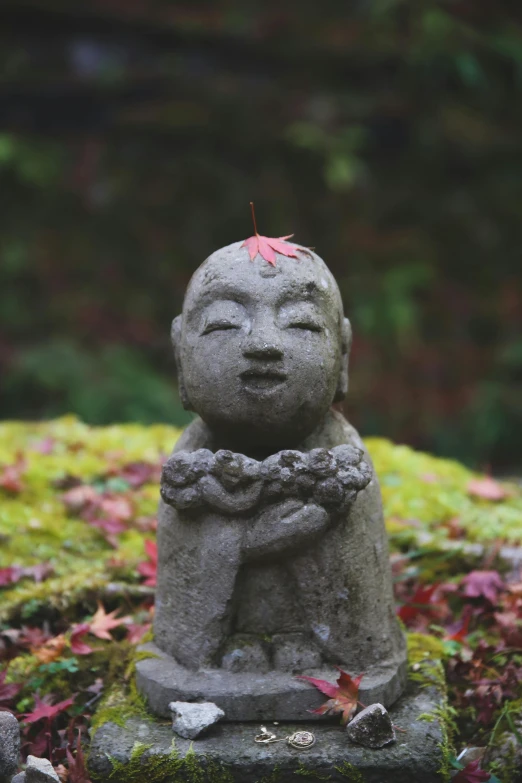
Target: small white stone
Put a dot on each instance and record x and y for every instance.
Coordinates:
(40, 771)
(190, 719)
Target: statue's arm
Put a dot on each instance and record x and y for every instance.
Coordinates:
(284, 525)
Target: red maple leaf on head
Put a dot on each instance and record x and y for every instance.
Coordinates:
(343, 696)
(267, 247)
(485, 584)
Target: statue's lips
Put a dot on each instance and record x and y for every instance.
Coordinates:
(262, 380)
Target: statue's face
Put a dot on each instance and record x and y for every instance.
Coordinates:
(260, 348)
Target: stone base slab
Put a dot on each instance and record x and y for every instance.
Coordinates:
(228, 753)
(252, 696)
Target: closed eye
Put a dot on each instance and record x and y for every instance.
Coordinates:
(218, 326)
(309, 326)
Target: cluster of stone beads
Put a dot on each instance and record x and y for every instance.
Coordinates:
(234, 484)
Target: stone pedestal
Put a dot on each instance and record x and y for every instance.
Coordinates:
(148, 750)
(250, 695)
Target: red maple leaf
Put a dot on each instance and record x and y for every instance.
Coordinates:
(77, 768)
(150, 567)
(139, 473)
(486, 584)
(458, 631)
(472, 774)
(79, 647)
(102, 623)
(45, 710)
(137, 632)
(343, 696)
(267, 247)
(11, 475)
(418, 603)
(8, 691)
(10, 575)
(487, 488)
(33, 637)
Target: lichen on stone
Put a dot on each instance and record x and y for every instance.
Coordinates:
(350, 772)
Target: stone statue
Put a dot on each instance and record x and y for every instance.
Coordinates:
(273, 557)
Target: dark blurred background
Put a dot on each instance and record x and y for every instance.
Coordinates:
(386, 134)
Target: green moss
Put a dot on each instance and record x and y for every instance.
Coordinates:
(503, 746)
(425, 667)
(350, 772)
(273, 777)
(507, 767)
(432, 490)
(123, 700)
(146, 766)
(424, 658)
(310, 773)
(422, 647)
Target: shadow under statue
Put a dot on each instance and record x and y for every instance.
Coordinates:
(272, 552)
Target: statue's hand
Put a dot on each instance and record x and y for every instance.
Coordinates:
(285, 525)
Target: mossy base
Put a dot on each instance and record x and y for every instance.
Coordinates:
(147, 750)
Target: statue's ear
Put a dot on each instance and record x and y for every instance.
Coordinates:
(175, 336)
(346, 344)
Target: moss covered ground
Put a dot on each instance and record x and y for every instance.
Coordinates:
(77, 522)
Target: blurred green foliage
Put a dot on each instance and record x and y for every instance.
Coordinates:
(384, 133)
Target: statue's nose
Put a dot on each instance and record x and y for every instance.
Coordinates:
(263, 343)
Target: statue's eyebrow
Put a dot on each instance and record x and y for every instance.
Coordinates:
(223, 292)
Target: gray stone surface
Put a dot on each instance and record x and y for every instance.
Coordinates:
(272, 552)
(40, 771)
(372, 727)
(20, 778)
(230, 748)
(192, 719)
(9, 745)
(253, 695)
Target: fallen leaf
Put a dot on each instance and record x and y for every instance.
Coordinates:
(149, 568)
(458, 631)
(139, 473)
(78, 647)
(472, 774)
(51, 650)
(486, 584)
(8, 691)
(136, 632)
(11, 476)
(487, 488)
(102, 623)
(10, 575)
(343, 696)
(62, 773)
(418, 603)
(77, 767)
(45, 710)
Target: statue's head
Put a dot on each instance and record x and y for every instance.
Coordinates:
(262, 351)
